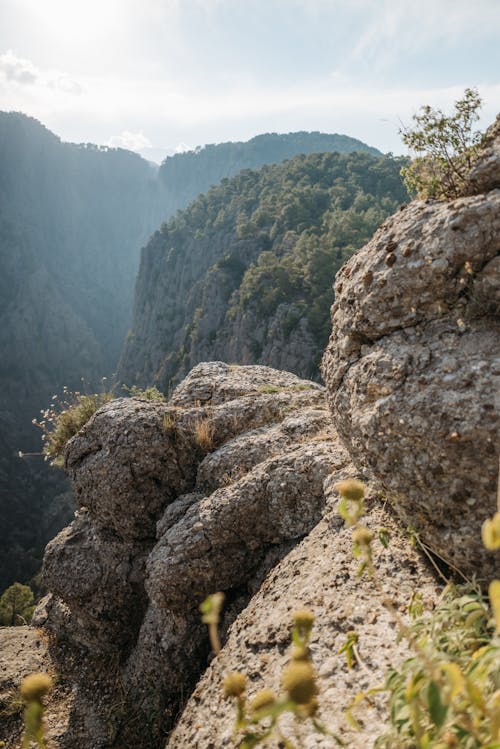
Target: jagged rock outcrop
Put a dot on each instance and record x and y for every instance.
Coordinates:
(177, 500)
(413, 369)
(228, 486)
(485, 175)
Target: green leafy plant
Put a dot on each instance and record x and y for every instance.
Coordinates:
(144, 394)
(447, 694)
(444, 148)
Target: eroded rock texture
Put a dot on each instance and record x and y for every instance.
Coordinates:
(319, 574)
(413, 364)
(177, 500)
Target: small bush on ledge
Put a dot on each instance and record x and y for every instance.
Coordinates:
(445, 149)
(64, 418)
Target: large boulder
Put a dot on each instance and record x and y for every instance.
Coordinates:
(413, 364)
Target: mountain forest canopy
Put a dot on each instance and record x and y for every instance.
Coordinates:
(248, 267)
(186, 175)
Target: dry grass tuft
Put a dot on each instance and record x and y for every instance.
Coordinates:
(204, 433)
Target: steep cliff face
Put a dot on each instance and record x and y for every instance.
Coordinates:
(177, 500)
(244, 273)
(413, 368)
(229, 486)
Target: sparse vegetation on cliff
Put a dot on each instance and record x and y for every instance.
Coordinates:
(448, 693)
(16, 605)
(65, 416)
(445, 148)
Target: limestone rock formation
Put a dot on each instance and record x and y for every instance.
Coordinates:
(413, 369)
(177, 500)
(486, 174)
(319, 574)
(228, 486)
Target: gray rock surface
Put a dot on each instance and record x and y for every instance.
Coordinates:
(177, 500)
(25, 650)
(319, 574)
(413, 365)
(486, 174)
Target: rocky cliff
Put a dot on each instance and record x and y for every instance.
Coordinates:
(413, 368)
(244, 274)
(231, 486)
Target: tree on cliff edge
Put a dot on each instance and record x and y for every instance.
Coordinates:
(445, 148)
(16, 605)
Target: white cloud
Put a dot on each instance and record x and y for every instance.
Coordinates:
(130, 141)
(20, 71)
(399, 28)
(17, 69)
(66, 84)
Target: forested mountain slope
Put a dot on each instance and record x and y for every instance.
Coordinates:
(187, 175)
(244, 274)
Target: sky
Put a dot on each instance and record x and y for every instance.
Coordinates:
(160, 76)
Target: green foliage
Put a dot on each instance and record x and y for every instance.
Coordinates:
(445, 148)
(64, 418)
(144, 394)
(448, 693)
(16, 605)
(187, 175)
(286, 230)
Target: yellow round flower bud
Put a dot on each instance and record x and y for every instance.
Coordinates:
(234, 684)
(351, 489)
(362, 536)
(491, 532)
(264, 698)
(299, 681)
(35, 686)
(303, 619)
